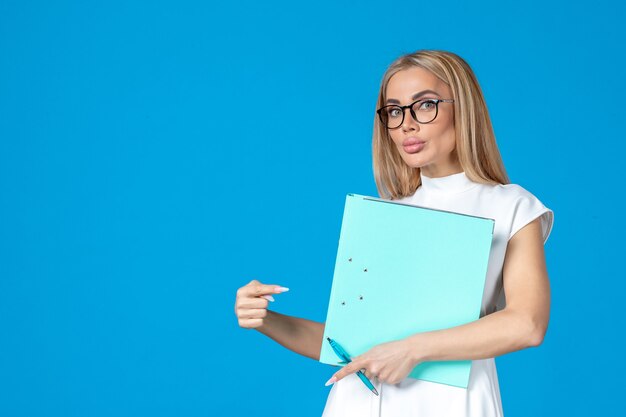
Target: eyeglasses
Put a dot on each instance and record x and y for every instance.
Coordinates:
(423, 111)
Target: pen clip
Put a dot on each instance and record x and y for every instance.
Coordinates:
(339, 351)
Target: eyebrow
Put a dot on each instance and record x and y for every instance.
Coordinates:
(415, 96)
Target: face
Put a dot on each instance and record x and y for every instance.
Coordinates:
(436, 155)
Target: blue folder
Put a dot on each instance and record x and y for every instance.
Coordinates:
(403, 269)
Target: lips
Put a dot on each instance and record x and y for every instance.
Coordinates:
(412, 141)
(413, 145)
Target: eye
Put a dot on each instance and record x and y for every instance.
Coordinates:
(427, 105)
(393, 112)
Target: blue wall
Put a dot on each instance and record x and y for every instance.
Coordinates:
(156, 156)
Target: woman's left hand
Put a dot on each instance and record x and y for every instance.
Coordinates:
(389, 362)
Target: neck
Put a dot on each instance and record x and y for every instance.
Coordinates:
(442, 170)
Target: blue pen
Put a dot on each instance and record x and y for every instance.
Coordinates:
(344, 355)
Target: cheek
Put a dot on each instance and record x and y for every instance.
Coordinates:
(393, 134)
(396, 138)
(449, 143)
(445, 136)
(451, 139)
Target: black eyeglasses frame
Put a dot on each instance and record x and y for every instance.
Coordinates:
(410, 107)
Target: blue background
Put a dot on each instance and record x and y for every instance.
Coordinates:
(156, 156)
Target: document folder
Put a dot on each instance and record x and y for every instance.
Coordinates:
(403, 269)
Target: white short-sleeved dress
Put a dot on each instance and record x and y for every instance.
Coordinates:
(512, 207)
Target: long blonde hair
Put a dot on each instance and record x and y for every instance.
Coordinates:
(475, 140)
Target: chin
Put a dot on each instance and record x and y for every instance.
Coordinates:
(413, 160)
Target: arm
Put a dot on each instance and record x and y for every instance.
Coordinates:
(521, 324)
(300, 335)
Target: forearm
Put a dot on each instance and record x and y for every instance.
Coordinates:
(492, 335)
(297, 334)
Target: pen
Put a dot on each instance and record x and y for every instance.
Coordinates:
(344, 355)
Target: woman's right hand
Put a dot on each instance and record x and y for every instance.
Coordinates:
(252, 301)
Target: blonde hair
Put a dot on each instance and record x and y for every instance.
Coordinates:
(475, 140)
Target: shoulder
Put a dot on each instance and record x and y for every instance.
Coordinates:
(523, 207)
(513, 193)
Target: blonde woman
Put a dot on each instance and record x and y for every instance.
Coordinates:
(434, 146)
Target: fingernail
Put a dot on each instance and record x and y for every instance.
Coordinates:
(281, 289)
(331, 381)
(268, 297)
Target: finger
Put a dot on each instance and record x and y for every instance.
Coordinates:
(345, 371)
(250, 323)
(254, 313)
(256, 290)
(369, 375)
(256, 302)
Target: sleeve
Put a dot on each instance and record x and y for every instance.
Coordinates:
(526, 209)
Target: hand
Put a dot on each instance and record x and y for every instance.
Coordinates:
(389, 362)
(252, 301)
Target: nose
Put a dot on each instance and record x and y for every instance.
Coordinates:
(409, 122)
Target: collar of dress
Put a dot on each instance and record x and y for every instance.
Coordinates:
(450, 184)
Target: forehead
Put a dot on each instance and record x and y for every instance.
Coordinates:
(403, 84)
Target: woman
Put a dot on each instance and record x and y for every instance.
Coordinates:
(434, 146)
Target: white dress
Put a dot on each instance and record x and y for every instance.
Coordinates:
(512, 207)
